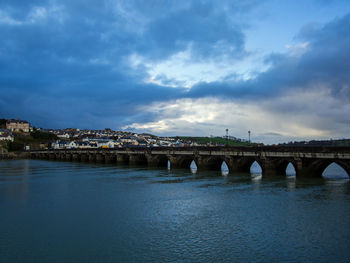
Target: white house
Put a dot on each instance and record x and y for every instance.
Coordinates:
(63, 135)
(83, 145)
(71, 145)
(6, 137)
(59, 145)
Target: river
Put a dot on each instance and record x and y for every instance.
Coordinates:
(80, 212)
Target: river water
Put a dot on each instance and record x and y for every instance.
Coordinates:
(77, 212)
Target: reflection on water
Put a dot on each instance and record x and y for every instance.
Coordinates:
(291, 182)
(108, 213)
(224, 173)
(256, 177)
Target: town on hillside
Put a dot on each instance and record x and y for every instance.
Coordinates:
(17, 135)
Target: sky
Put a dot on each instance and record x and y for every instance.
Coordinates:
(280, 69)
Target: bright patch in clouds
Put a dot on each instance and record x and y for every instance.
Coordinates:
(180, 70)
(211, 116)
(298, 49)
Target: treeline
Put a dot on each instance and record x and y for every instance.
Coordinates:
(34, 140)
(318, 143)
(213, 141)
(3, 123)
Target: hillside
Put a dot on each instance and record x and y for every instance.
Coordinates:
(213, 141)
(328, 143)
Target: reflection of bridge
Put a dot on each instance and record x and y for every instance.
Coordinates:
(307, 161)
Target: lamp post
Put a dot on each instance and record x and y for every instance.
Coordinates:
(226, 136)
(248, 136)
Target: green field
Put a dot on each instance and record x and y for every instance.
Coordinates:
(213, 141)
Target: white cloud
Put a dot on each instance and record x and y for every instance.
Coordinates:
(35, 15)
(180, 70)
(310, 116)
(297, 50)
(6, 18)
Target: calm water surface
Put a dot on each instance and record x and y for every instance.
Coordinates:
(75, 212)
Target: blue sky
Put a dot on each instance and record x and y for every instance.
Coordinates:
(278, 68)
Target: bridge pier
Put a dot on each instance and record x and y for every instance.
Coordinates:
(62, 156)
(75, 157)
(110, 158)
(239, 164)
(84, 158)
(182, 162)
(122, 158)
(92, 158)
(137, 159)
(52, 156)
(157, 160)
(272, 168)
(99, 158)
(209, 162)
(68, 157)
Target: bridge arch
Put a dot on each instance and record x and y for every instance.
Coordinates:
(335, 171)
(284, 167)
(245, 164)
(290, 170)
(193, 166)
(255, 168)
(225, 170)
(317, 167)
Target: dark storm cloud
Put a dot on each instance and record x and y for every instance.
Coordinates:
(67, 61)
(209, 32)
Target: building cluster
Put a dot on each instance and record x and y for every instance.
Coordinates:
(107, 138)
(6, 135)
(18, 125)
(13, 126)
(72, 138)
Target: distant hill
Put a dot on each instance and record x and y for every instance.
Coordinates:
(3, 123)
(214, 141)
(329, 143)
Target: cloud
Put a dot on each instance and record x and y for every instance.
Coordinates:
(119, 63)
(212, 116)
(304, 94)
(56, 55)
(325, 62)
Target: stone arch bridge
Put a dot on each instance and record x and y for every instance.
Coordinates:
(273, 160)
